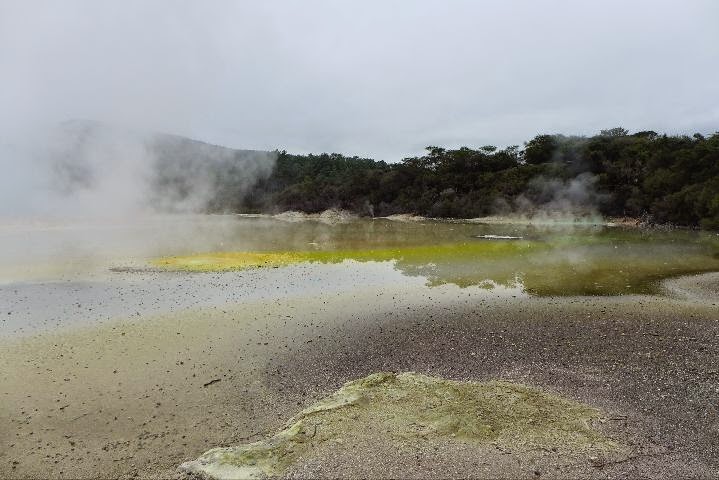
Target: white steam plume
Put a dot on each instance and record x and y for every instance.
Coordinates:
(86, 169)
(556, 199)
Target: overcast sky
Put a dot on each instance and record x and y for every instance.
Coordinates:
(374, 78)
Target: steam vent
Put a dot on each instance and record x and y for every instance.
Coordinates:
(369, 424)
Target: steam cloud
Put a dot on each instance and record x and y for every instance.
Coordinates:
(550, 198)
(88, 169)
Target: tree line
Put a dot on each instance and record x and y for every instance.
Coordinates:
(662, 178)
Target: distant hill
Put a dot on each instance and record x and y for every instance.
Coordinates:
(165, 172)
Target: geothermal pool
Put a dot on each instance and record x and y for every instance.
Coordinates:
(550, 259)
(57, 275)
(538, 259)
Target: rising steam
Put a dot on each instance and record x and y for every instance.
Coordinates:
(88, 169)
(548, 198)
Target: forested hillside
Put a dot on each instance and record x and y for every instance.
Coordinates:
(666, 179)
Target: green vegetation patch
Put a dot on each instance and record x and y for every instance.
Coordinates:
(657, 177)
(405, 407)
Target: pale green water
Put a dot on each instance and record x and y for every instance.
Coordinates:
(547, 260)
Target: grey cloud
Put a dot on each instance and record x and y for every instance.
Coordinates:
(374, 78)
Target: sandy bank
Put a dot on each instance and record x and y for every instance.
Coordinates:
(696, 288)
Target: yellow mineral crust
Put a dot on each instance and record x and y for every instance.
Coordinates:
(406, 406)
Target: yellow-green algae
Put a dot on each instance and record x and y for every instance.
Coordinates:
(560, 265)
(409, 407)
(223, 261)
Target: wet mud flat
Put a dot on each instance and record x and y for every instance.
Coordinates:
(138, 397)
